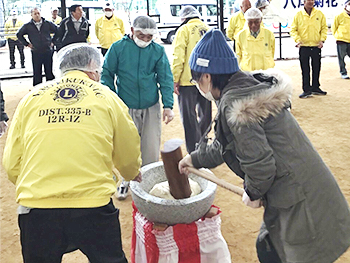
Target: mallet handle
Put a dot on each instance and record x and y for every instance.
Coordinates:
(218, 181)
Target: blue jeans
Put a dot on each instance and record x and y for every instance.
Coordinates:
(343, 49)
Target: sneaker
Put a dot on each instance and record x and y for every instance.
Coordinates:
(22, 66)
(123, 190)
(12, 66)
(345, 76)
(319, 92)
(305, 95)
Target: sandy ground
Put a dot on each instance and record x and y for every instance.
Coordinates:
(326, 120)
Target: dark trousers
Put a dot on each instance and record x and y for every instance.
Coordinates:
(266, 251)
(195, 113)
(38, 60)
(47, 233)
(12, 46)
(343, 49)
(104, 51)
(305, 54)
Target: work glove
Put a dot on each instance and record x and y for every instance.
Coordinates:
(254, 204)
(168, 115)
(185, 162)
(3, 127)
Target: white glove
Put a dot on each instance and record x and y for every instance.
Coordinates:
(3, 127)
(246, 200)
(168, 115)
(185, 162)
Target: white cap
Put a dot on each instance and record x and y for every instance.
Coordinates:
(261, 3)
(14, 12)
(188, 11)
(145, 24)
(79, 56)
(54, 9)
(253, 13)
(108, 5)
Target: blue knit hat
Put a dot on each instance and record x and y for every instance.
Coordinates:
(213, 55)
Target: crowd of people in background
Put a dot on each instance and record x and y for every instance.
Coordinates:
(126, 79)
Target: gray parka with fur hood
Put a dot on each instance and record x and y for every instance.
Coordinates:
(306, 214)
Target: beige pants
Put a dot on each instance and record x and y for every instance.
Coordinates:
(148, 123)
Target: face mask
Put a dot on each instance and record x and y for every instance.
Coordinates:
(108, 13)
(14, 16)
(347, 8)
(207, 95)
(140, 43)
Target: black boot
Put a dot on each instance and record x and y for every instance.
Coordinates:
(12, 66)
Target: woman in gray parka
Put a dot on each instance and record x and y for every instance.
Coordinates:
(306, 215)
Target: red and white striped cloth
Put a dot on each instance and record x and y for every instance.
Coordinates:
(198, 242)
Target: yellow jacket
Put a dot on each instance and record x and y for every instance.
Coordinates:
(255, 53)
(309, 29)
(64, 139)
(341, 27)
(109, 31)
(56, 21)
(236, 24)
(10, 30)
(185, 40)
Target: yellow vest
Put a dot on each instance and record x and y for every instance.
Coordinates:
(255, 53)
(341, 27)
(10, 30)
(309, 29)
(236, 24)
(56, 21)
(63, 141)
(109, 31)
(185, 40)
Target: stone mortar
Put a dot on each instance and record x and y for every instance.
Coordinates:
(170, 212)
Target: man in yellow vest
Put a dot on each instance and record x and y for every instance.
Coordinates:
(237, 21)
(194, 108)
(309, 31)
(255, 45)
(108, 28)
(56, 19)
(341, 32)
(65, 191)
(11, 28)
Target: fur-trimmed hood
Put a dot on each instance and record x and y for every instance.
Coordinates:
(254, 103)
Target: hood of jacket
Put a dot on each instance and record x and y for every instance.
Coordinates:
(253, 97)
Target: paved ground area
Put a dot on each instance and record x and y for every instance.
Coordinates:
(289, 51)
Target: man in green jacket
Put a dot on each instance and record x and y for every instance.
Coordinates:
(142, 69)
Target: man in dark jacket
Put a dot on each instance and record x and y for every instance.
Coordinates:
(73, 29)
(38, 31)
(3, 116)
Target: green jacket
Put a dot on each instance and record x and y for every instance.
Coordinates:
(140, 72)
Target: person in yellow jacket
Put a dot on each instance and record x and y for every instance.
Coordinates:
(55, 18)
(11, 27)
(64, 139)
(237, 21)
(108, 28)
(255, 45)
(341, 32)
(309, 31)
(195, 110)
